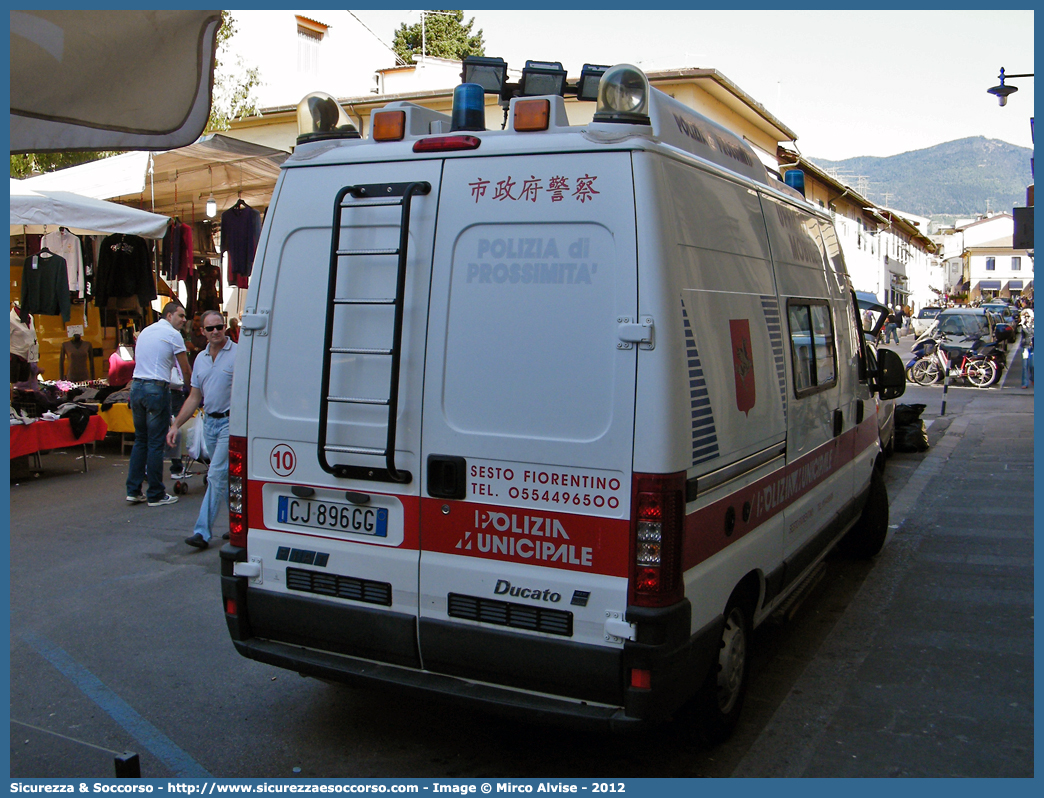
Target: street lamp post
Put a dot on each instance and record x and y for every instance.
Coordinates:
(1002, 91)
(1022, 237)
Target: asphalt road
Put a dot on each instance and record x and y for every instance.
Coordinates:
(118, 643)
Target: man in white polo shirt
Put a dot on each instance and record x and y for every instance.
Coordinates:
(211, 387)
(158, 347)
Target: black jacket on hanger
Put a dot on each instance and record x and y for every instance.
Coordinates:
(45, 285)
(124, 269)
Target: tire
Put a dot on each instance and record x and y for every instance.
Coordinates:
(720, 700)
(982, 373)
(866, 539)
(925, 371)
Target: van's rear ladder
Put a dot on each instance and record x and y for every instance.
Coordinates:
(366, 196)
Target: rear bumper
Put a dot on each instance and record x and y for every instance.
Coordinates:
(512, 673)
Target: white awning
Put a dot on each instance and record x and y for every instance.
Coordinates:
(110, 80)
(43, 211)
(181, 179)
(109, 177)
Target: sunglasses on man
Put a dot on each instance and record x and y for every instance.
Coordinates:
(214, 327)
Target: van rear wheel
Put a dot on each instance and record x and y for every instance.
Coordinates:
(720, 700)
(867, 537)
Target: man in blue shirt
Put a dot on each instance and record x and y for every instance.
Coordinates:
(212, 388)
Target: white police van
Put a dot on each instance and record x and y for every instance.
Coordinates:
(548, 417)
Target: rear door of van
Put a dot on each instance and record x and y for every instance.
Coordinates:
(348, 542)
(528, 411)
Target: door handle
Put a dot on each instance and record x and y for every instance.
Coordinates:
(447, 476)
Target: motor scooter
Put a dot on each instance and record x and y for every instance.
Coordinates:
(931, 360)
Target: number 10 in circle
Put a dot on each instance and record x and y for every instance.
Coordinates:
(283, 460)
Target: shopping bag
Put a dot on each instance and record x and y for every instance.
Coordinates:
(193, 439)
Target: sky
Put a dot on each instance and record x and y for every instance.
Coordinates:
(849, 83)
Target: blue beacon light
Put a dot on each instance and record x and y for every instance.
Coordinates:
(469, 107)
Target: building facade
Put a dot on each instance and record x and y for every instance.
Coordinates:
(888, 254)
(984, 262)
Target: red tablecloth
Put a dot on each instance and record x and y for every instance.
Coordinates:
(42, 435)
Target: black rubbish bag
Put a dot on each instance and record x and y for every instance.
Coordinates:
(911, 437)
(907, 414)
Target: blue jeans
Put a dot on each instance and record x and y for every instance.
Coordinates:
(1027, 367)
(150, 408)
(890, 332)
(215, 433)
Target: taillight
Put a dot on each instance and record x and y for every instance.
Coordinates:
(237, 491)
(657, 534)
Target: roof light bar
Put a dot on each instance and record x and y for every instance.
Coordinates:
(320, 117)
(388, 126)
(469, 107)
(531, 115)
(795, 178)
(542, 77)
(489, 73)
(623, 96)
(587, 86)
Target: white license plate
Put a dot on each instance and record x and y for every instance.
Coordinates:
(318, 514)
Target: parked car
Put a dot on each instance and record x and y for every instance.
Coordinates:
(924, 319)
(1008, 320)
(963, 326)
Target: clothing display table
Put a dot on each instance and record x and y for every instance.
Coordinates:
(43, 435)
(119, 419)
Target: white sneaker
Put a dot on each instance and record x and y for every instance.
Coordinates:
(167, 499)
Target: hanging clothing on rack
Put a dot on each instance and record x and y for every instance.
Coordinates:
(171, 251)
(66, 245)
(240, 232)
(87, 256)
(124, 270)
(177, 251)
(45, 285)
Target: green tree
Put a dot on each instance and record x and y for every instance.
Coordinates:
(34, 163)
(445, 35)
(233, 98)
(233, 85)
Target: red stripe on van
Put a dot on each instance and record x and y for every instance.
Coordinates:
(532, 537)
(706, 531)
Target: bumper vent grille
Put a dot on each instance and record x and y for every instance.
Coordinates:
(517, 616)
(346, 587)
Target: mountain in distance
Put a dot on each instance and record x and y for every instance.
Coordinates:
(957, 179)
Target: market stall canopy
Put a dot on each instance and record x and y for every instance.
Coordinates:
(110, 80)
(180, 180)
(33, 211)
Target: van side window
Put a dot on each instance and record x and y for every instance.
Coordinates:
(812, 347)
